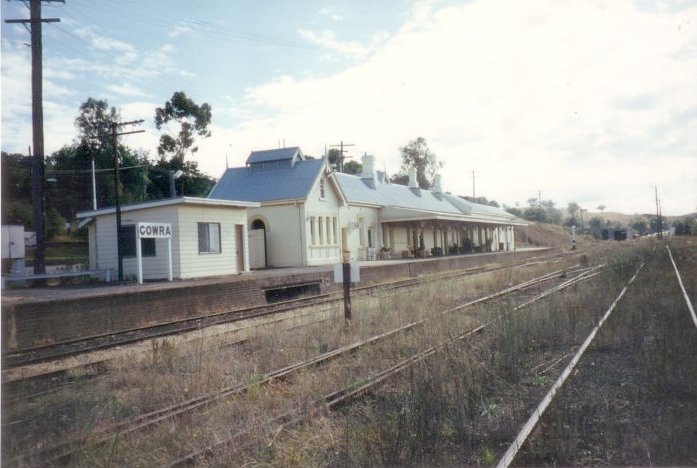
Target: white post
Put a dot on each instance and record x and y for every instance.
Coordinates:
(139, 256)
(169, 257)
(94, 187)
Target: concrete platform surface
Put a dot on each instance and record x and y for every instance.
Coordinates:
(61, 292)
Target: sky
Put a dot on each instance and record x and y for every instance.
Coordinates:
(588, 101)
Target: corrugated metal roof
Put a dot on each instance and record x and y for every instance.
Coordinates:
(273, 155)
(252, 184)
(358, 190)
(384, 194)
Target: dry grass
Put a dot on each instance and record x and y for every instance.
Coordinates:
(170, 374)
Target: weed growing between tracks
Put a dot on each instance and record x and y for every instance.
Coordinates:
(462, 406)
(171, 374)
(633, 400)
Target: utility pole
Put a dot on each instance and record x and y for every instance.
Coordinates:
(37, 113)
(115, 144)
(474, 196)
(342, 151)
(658, 214)
(660, 219)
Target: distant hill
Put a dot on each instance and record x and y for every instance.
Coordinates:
(618, 219)
(542, 234)
(621, 219)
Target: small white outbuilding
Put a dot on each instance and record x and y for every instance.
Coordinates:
(208, 238)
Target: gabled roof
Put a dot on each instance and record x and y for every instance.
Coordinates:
(399, 202)
(363, 191)
(274, 155)
(253, 183)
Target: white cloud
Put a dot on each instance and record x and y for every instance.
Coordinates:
(328, 13)
(180, 30)
(327, 39)
(125, 89)
(533, 96)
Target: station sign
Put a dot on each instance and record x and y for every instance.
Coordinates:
(147, 230)
(154, 230)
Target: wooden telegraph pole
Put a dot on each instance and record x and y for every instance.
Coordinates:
(37, 113)
(342, 150)
(117, 190)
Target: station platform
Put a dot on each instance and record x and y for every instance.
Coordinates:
(39, 316)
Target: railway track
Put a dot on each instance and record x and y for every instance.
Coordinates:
(64, 451)
(655, 319)
(365, 385)
(56, 351)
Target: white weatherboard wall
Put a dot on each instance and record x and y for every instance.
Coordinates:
(186, 260)
(284, 244)
(153, 267)
(193, 264)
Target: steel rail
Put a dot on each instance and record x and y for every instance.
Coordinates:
(684, 293)
(27, 356)
(530, 424)
(63, 451)
(342, 396)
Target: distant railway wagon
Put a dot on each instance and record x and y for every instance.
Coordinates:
(618, 234)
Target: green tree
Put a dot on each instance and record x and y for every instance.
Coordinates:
(353, 167)
(485, 201)
(93, 124)
(335, 159)
(193, 119)
(640, 226)
(55, 223)
(416, 154)
(573, 208)
(595, 224)
(535, 213)
(192, 183)
(16, 189)
(69, 170)
(400, 178)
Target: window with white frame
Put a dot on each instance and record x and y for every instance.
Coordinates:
(322, 191)
(313, 240)
(328, 230)
(321, 230)
(208, 238)
(334, 236)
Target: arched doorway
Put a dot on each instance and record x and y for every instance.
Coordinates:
(257, 244)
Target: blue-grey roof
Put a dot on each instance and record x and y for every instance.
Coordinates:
(380, 193)
(257, 184)
(273, 155)
(358, 190)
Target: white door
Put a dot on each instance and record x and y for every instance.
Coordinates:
(257, 248)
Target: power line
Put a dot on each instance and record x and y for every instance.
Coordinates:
(341, 157)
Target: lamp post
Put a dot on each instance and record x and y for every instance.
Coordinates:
(174, 175)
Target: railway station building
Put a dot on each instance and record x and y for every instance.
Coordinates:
(195, 237)
(309, 214)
